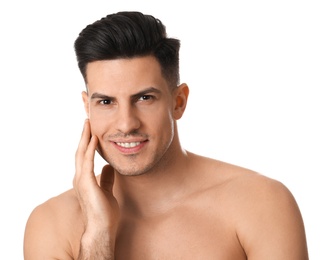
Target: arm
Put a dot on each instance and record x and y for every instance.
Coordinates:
(99, 207)
(272, 226)
(80, 221)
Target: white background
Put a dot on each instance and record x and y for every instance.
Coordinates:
(259, 77)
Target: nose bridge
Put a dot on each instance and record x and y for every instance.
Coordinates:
(127, 118)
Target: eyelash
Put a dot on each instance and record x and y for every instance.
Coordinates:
(106, 102)
(148, 97)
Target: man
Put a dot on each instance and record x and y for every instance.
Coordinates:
(154, 200)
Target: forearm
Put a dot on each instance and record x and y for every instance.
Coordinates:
(98, 246)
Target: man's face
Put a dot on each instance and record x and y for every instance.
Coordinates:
(130, 107)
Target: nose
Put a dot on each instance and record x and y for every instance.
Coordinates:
(127, 119)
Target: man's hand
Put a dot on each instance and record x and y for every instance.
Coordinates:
(99, 207)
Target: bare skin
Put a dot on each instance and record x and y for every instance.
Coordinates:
(156, 200)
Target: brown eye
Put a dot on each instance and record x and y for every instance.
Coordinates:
(146, 97)
(105, 102)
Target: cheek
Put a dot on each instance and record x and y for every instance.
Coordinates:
(165, 123)
(98, 125)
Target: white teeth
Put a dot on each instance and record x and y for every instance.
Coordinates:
(129, 145)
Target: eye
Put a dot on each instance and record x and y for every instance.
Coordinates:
(146, 97)
(105, 102)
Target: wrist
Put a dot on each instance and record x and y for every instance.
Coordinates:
(97, 244)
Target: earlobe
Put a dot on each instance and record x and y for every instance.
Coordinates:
(181, 99)
(84, 96)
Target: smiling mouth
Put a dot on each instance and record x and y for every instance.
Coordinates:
(129, 145)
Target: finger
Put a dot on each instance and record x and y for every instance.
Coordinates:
(83, 144)
(84, 179)
(80, 152)
(87, 167)
(89, 155)
(107, 178)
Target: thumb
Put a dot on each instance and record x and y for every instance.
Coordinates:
(107, 178)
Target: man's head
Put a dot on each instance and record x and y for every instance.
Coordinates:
(133, 98)
(128, 35)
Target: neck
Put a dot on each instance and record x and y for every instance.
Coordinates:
(154, 192)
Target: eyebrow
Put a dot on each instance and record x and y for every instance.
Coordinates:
(97, 95)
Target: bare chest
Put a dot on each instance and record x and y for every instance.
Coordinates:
(184, 234)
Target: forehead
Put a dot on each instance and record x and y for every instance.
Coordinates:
(124, 75)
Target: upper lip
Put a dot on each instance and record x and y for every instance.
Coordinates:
(129, 141)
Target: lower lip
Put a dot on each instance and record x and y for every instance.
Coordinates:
(130, 150)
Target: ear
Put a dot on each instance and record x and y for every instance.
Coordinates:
(84, 96)
(181, 98)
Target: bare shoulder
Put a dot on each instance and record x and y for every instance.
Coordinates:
(52, 228)
(262, 210)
